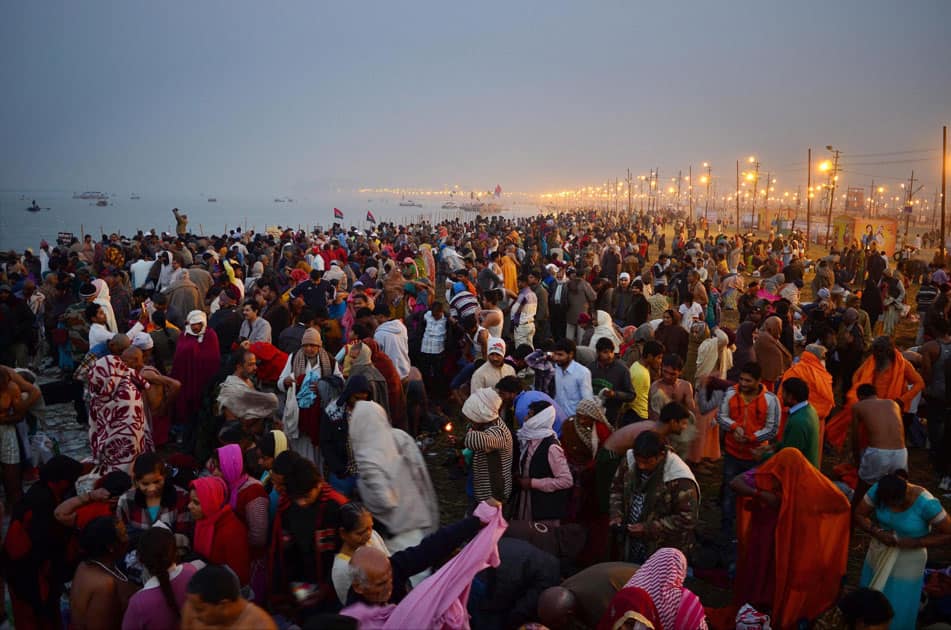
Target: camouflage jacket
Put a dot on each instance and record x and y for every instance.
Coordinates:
(671, 505)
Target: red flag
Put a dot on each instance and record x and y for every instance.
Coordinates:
(370, 217)
(338, 213)
(498, 191)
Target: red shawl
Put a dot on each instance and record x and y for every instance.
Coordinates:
(195, 364)
(220, 536)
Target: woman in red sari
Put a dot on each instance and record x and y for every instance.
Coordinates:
(220, 536)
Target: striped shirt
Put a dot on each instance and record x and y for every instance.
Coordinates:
(495, 438)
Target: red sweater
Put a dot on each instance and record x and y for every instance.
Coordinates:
(230, 546)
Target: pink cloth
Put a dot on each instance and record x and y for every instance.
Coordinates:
(440, 600)
(231, 464)
(662, 576)
(560, 479)
(118, 431)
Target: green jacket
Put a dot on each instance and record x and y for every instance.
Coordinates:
(802, 432)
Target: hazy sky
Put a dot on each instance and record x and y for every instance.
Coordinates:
(269, 97)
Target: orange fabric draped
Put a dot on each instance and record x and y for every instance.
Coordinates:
(811, 537)
(810, 369)
(891, 384)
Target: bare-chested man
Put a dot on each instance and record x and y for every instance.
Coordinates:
(884, 437)
(14, 406)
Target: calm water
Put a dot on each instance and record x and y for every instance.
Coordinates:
(20, 229)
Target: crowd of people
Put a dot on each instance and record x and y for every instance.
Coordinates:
(263, 411)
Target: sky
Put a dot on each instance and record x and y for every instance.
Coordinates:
(295, 97)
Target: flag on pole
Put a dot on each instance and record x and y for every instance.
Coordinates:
(338, 213)
(498, 191)
(370, 217)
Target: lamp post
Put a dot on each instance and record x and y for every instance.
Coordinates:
(753, 177)
(833, 170)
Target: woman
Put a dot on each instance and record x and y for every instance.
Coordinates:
(662, 578)
(220, 537)
(103, 299)
(393, 480)
(672, 334)
(34, 559)
(335, 445)
(631, 607)
(907, 520)
(249, 501)
(158, 605)
(356, 530)
(894, 302)
(394, 384)
(745, 339)
(153, 499)
(544, 477)
(358, 364)
(713, 360)
(793, 529)
(100, 590)
(604, 327)
(581, 437)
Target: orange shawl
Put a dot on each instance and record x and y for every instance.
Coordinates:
(810, 369)
(891, 384)
(811, 538)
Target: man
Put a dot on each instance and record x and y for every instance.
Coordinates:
(393, 338)
(181, 223)
(639, 312)
(749, 414)
(655, 499)
(16, 328)
(884, 439)
(183, 298)
(316, 292)
(238, 397)
(542, 316)
(801, 430)
(746, 302)
(893, 377)
(652, 357)
(213, 600)
(621, 299)
(558, 304)
(583, 598)
(227, 320)
(254, 328)
(273, 309)
(672, 388)
(572, 380)
(696, 288)
(610, 376)
(936, 369)
(494, 369)
(774, 359)
(17, 396)
(486, 279)
(811, 369)
(658, 302)
(523, 313)
(290, 338)
(673, 421)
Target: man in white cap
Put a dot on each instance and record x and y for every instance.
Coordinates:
(494, 369)
(491, 444)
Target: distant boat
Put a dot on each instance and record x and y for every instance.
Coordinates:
(212, 199)
(278, 200)
(33, 207)
(102, 203)
(450, 205)
(411, 204)
(91, 195)
(134, 196)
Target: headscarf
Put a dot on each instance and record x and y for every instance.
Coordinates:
(538, 427)
(591, 407)
(605, 328)
(143, 341)
(103, 300)
(371, 436)
(280, 442)
(213, 497)
(662, 576)
(196, 317)
(355, 385)
(231, 464)
(630, 604)
(482, 406)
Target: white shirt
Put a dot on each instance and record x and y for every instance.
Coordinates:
(140, 271)
(689, 315)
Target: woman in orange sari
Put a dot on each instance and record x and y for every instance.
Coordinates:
(793, 531)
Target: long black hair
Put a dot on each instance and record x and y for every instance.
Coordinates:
(157, 553)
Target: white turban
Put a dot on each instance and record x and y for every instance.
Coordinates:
(482, 406)
(196, 317)
(143, 341)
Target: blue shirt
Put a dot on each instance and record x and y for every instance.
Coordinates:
(571, 386)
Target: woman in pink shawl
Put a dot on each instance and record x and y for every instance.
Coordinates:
(118, 430)
(249, 500)
(197, 360)
(662, 577)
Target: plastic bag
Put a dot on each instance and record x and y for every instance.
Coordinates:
(43, 448)
(291, 413)
(748, 618)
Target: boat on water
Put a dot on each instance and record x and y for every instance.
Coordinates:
(278, 200)
(450, 205)
(102, 203)
(409, 203)
(33, 207)
(212, 199)
(90, 195)
(482, 208)
(134, 196)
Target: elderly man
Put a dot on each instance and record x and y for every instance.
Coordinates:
(773, 357)
(239, 398)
